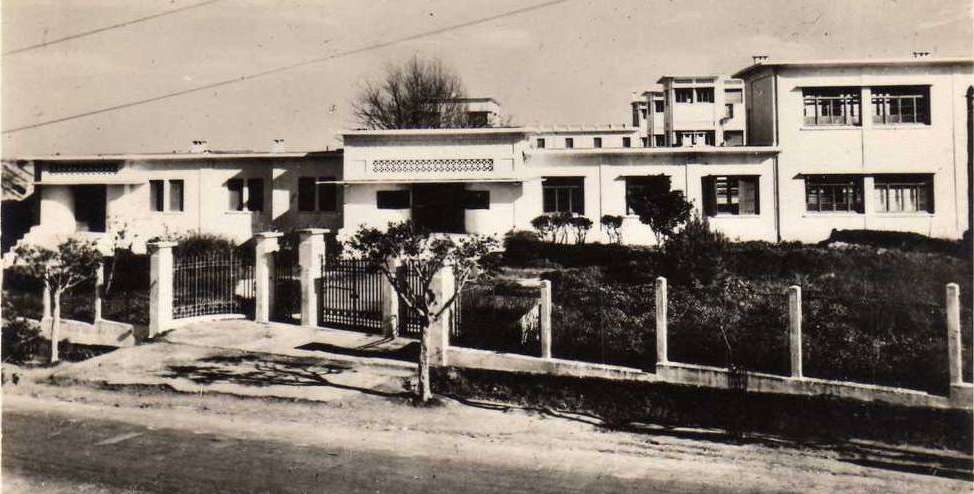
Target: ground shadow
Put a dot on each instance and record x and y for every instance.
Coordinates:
(407, 353)
(263, 371)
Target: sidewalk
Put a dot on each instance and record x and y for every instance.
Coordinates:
(246, 359)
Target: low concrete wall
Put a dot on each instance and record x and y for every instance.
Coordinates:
(710, 377)
(103, 332)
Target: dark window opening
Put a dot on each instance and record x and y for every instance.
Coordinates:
(476, 199)
(255, 194)
(392, 199)
(175, 195)
(826, 193)
(564, 195)
(597, 142)
(156, 195)
(626, 142)
(734, 195)
(639, 187)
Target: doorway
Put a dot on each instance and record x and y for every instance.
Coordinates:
(89, 208)
(439, 207)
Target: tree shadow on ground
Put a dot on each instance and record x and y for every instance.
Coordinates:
(407, 353)
(263, 371)
(946, 464)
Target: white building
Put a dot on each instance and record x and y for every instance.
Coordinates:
(865, 144)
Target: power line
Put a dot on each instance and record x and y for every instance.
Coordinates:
(107, 28)
(225, 82)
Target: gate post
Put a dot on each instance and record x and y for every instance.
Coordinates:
(265, 248)
(161, 286)
(443, 286)
(311, 253)
(954, 358)
(99, 288)
(390, 305)
(545, 319)
(795, 329)
(661, 320)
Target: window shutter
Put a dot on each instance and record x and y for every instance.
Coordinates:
(235, 187)
(709, 196)
(327, 195)
(306, 194)
(255, 194)
(747, 190)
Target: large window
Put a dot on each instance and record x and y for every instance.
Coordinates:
(176, 195)
(658, 106)
(564, 195)
(733, 195)
(690, 138)
(832, 106)
(733, 96)
(476, 199)
(317, 194)
(733, 137)
(639, 187)
(825, 193)
(392, 199)
(903, 193)
(683, 95)
(156, 198)
(235, 187)
(704, 94)
(255, 194)
(901, 105)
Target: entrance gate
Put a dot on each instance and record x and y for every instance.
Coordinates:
(286, 283)
(350, 295)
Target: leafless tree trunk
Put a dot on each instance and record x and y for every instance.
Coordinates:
(424, 390)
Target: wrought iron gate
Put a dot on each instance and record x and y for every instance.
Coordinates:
(215, 283)
(350, 295)
(410, 322)
(286, 283)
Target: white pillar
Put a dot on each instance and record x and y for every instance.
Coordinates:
(795, 329)
(443, 286)
(390, 307)
(161, 286)
(661, 353)
(954, 358)
(311, 253)
(99, 288)
(265, 247)
(545, 319)
(47, 303)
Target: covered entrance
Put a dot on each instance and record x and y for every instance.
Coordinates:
(439, 207)
(89, 207)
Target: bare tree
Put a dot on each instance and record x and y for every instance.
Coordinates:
(419, 94)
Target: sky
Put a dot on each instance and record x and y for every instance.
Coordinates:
(158, 74)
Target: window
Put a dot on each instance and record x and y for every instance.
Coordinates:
(636, 187)
(540, 143)
(642, 113)
(729, 110)
(175, 195)
(392, 199)
(660, 140)
(635, 117)
(306, 194)
(644, 141)
(564, 194)
(658, 106)
(825, 193)
(831, 106)
(901, 105)
(255, 194)
(690, 138)
(733, 96)
(476, 199)
(156, 195)
(734, 138)
(317, 194)
(734, 195)
(903, 193)
(597, 142)
(327, 194)
(569, 142)
(626, 142)
(705, 94)
(251, 199)
(683, 95)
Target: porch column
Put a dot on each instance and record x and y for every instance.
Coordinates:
(161, 286)
(443, 286)
(311, 254)
(265, 248)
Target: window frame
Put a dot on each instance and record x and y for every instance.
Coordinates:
(659, 106)
(921, 184)
(843, 105)
(627, 142)
(181, 205)
(854, 199)
(157, 196)
(703, 95)
(552, 189)
(569, 143)
(731, 201)
(883, 99)
(597, 142)
(385, 199)
(540, 143)
(687, 93)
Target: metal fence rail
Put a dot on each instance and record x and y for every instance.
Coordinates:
(410, 322)
(215, 283)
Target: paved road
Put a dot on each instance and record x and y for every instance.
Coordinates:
(118, 456)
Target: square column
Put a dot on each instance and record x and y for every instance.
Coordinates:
(161, 286)
(266, 246)
(311, 255)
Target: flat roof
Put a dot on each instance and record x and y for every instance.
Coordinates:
(444, 132)
(662, 150)
(175, 156)
(861, 62)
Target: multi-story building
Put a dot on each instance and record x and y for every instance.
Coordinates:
(647, 116)
(701, 111)
(865, 144)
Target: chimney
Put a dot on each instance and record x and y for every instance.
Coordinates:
(921, 54)
(199, 146)
(278, 145)
(759, 58)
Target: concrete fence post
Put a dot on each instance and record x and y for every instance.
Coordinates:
(99, 288)
(264, 249)
(46, 296)
(161, 286)
(795, 329)
(545, 329)
(311, 253)
(661, 320)
(443, 286)
(390, 306)
(954, 359)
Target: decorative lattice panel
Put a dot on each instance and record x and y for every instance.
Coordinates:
(433, 165)
(83, 168)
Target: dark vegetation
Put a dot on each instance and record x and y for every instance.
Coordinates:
(873, 303)
(660, 408)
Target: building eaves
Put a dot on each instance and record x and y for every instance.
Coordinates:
(877, 62)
